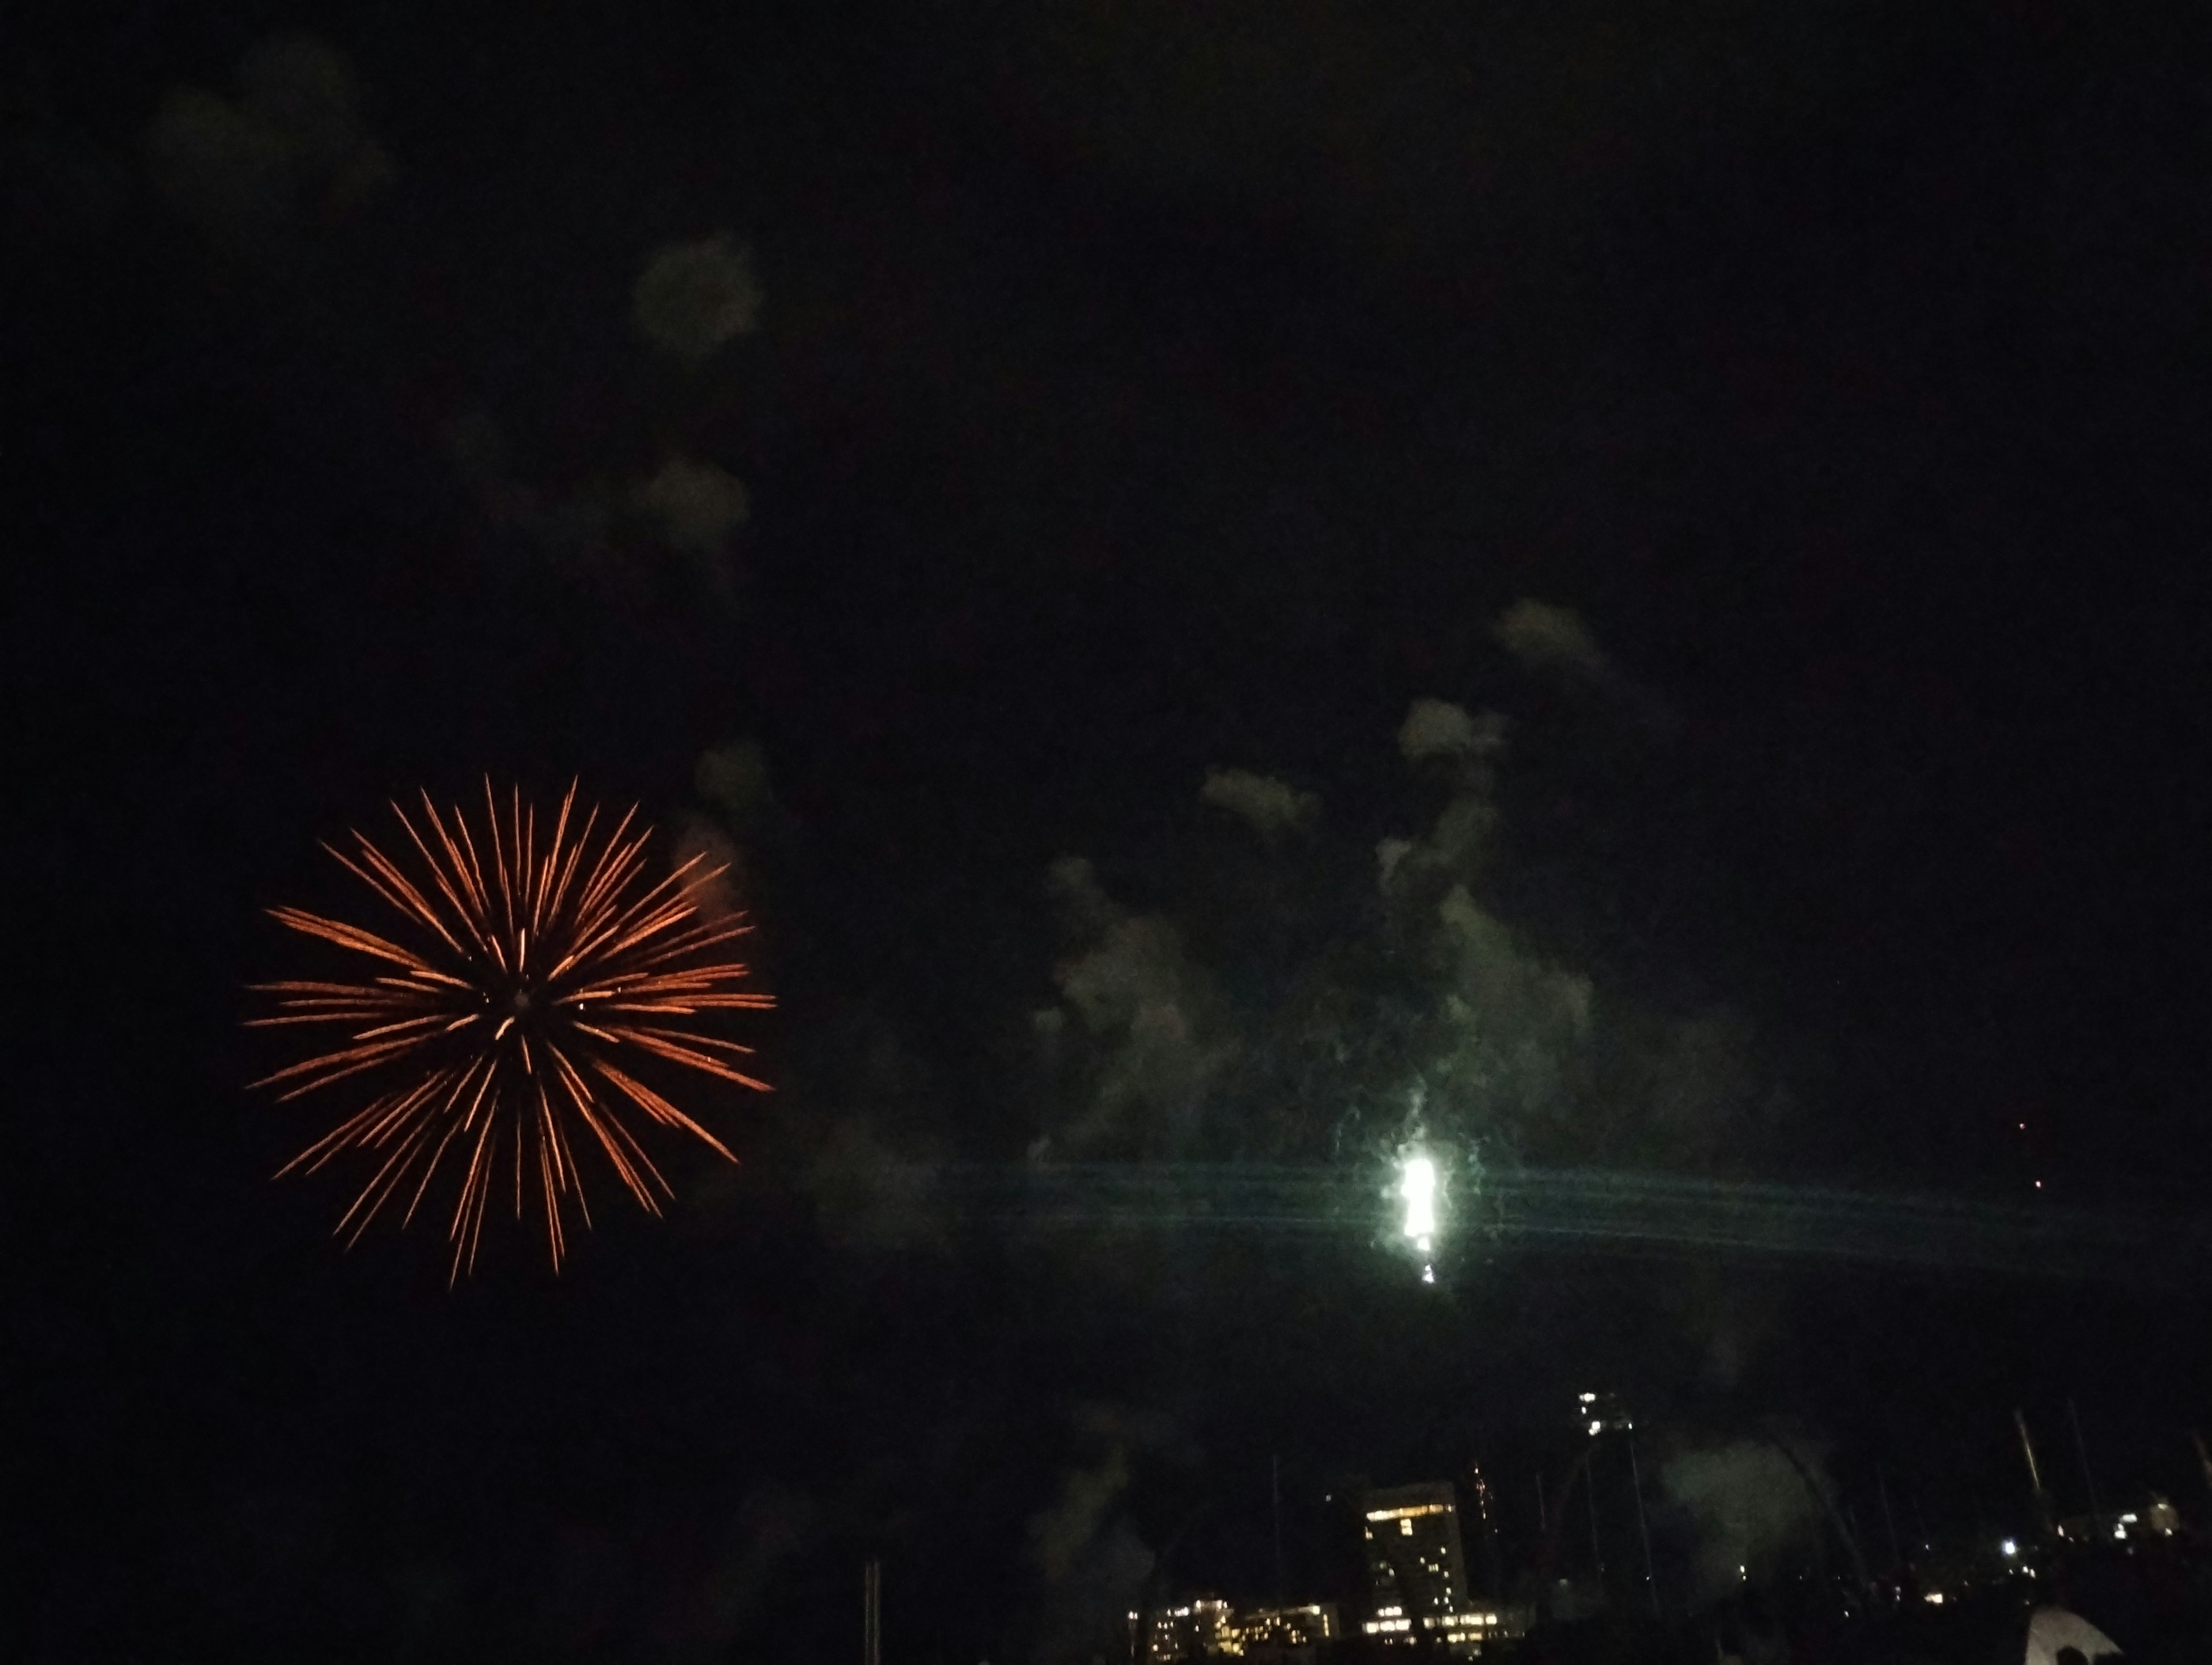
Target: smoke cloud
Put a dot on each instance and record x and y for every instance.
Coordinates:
(1091, 1563)
(734, 777)
(1152, 1028)
(1754, 1513)
(694, 298)
(1544, 637)
(1270, 807)
(716, 884)
(698, 507)
(292, 142)
(1438, 1009)
(1437, 728)
(1553, 641)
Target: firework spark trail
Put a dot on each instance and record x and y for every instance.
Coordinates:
(497, 1013)
(1591, 1212)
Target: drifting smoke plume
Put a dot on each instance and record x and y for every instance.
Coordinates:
(1754, 1513)
(734, 777)
(292, 142)
(1437, 728)
(1270, 807)
(1553, 641)
(578, 528)
(1436, 733)
(1337, 1015)
(1529, 1052)
(1091, 1566)
(697, 506)
(1153, 1024)
(774, 1523)
(1520, 1028)
(716, 886)
(693, 299)
(860, 1112)
(1546, 638)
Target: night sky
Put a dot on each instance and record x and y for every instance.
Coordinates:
(1791, 424)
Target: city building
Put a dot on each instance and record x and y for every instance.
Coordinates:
(1415, 1568)
(1287, 1634)
(1209, 1628)
(1416, 1574)
(1603, 1413)
(1186, 1631)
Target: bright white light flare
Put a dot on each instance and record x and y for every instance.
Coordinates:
(1417, 1184)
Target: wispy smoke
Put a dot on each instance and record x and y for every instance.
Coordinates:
(694, 298)
(1091, 1566)
(1753, 1512)
(1437, 732)
(1437, 728)
(579, 527)
(293, 141)
(1272, 808)
(716, 884)
(1519, 1025)
(1525, 1049)
(774, 1523)
(873, 1194)
(1547, 638)
(857, 1101)
(697, 506)
(1555, 642)
(734, 777)
(693, 507)
(1440, 1006)
(1059, 1533)
(1153, 1024)
(1508, 1031)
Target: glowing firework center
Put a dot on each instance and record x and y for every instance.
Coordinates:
(1417, 1189)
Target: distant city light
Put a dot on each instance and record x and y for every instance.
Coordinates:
(1596, 1428)
(2011, 1546)
(1935, 1598)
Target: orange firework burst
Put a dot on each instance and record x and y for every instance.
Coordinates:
(514, 1012)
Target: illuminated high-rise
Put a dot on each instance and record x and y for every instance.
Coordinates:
(1416, 1573)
